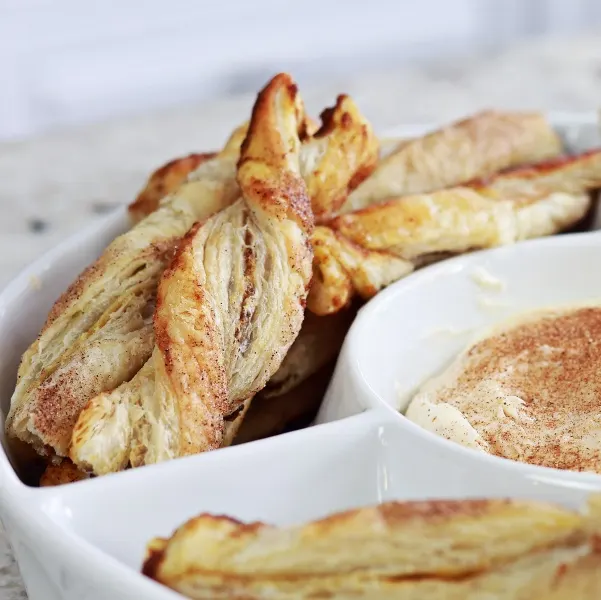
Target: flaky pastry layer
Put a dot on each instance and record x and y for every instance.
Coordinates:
(462, 549)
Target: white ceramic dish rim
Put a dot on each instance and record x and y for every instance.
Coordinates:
(21, 500)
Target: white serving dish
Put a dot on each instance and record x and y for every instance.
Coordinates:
(85, 541)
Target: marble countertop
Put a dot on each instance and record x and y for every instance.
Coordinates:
(53, 185)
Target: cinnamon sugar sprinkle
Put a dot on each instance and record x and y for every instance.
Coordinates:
(530, 391)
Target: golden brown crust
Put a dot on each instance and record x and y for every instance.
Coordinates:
(361, 252)
(265, 169)
(228, 308)
(164, 181)
(62, 397)
(62, 473)
(349, 154)
(434, 549)
(336, 157)
(474, 147)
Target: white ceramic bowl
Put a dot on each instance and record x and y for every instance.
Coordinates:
(85, 541)
(420, 323)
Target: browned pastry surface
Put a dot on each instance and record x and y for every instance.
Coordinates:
(99, 333)
(107, 414)
(355, 144)
(463, 549)
(478, 146)
(170, 176)
(362, 252)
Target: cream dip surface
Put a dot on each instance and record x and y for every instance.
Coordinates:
(528, 390)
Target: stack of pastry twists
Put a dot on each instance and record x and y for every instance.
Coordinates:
(100, 333)
(362, 252)
(105, 382)
(443, 194)
(447, 550)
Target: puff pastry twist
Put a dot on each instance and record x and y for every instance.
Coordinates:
(478, 146)
(451, 550)
(362, 252)
(228, 309)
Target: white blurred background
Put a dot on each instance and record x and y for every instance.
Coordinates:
(68, 62)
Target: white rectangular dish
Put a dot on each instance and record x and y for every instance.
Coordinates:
(85, 541)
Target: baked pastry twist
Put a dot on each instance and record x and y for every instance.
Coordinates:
(362, 252)
(451, 550)
(228, 308)
(478, 146)
(345, 139)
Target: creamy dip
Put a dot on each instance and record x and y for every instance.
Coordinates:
(529, 390)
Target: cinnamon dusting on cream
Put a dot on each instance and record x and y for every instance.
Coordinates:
(530, 390)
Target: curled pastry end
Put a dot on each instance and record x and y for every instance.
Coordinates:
(343, 152)
(165, 180)
(269, 169)
(277, 122)
(102, 433)
(343, 269)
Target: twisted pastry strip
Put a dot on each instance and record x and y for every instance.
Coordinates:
(99, 333)
(475, 147)
(228, 308)
(451, 550)
(362, 252)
